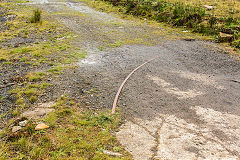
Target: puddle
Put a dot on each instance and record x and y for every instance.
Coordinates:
(82, 8)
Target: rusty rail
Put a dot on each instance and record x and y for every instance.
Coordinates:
(125, 80)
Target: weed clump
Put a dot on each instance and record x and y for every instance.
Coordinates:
(37, 16)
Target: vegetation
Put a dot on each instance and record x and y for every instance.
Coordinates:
(222, 8)
(49, 49)
(36, 18)
(73, 134)
(188, 15)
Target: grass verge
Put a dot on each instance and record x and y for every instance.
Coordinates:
(74, 133)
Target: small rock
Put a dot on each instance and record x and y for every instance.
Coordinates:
(41, 110)
(223, 37)
(37, 113)
(41, 126)
(47, 105)
(71, 126)
(208, 7)
(155, 3)
(111, 153)
(236, 81)
(23, 123)
(204, 23)
(16, 128)
(61, 38)
(238, 28)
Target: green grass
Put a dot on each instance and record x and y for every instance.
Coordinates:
(73, 134)
(52, 53)
(222, 7)
(35, 76)
(28, 94)
(78, 55)
(43, 52)
(55, 48)
(115, 44)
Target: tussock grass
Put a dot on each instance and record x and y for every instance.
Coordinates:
(37, 16)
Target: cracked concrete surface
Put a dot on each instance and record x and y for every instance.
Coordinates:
(174, 138)
(137, 140)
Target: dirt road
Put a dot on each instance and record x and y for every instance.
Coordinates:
(183, 105)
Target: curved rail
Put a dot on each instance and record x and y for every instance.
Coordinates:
(120, 88)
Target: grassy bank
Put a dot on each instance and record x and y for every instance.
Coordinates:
(223, 25)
